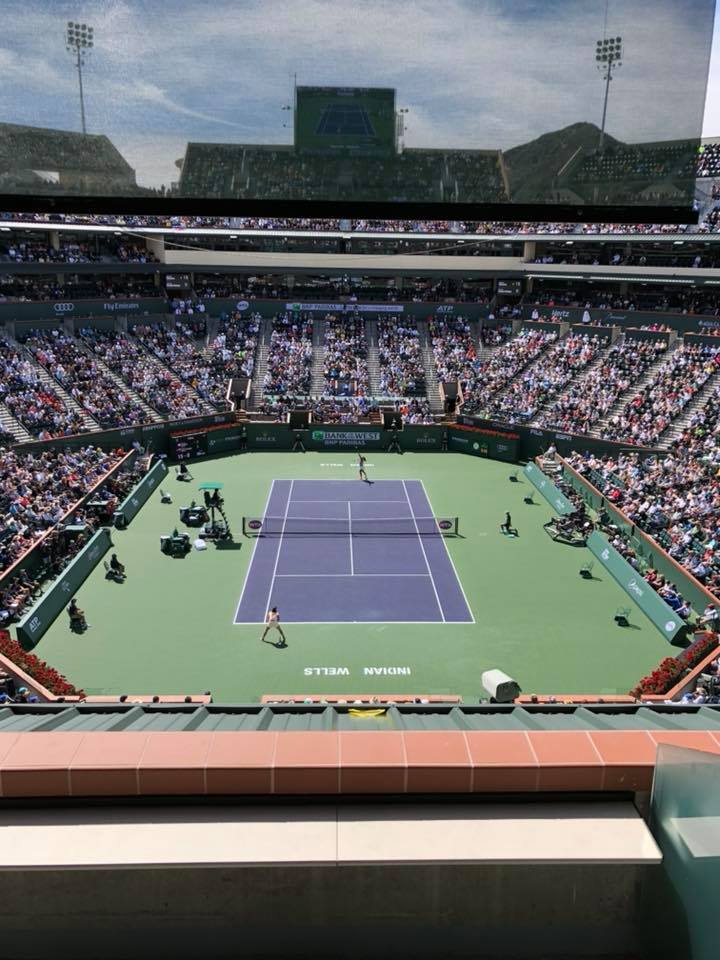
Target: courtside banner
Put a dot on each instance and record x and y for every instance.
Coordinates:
(638, 589)
(346, 438)
(59, 594)
(544, 485)
(139, 495)
(483, 442)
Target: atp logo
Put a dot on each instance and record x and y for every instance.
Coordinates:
(670, 626)
(476, 446)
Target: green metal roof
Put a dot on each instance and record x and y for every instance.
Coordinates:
(110, 717)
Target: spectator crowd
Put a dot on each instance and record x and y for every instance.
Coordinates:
(290, 356)
(650, 412)
(345, 361)
(33, 403)
(402, 373)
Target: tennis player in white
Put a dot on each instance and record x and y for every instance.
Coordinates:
(272, 622)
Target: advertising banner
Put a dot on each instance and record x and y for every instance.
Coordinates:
(482, 442)
(652, 605)
(269, 436)
(140, 494)
(544, 485)
(34, 624)
(269, 308)
(346, 437)
(421, 438)
(221, 441)
(61, 309)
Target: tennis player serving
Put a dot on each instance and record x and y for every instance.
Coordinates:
(361, 468)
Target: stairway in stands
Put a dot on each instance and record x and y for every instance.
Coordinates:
(152, 415)
(204, 405)
(488, 351)
(679, 424)
(432, 387)
(89, 423)
(634, 388)
(9, 424)
(317, 366)
(260, 366)
(577, 380)
(373, 360)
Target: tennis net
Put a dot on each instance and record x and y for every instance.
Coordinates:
(365, 526)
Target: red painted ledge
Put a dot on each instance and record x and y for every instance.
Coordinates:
(286, 763)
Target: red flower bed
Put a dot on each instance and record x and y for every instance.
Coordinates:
(702, 645)
(39, 670)
(662, 679)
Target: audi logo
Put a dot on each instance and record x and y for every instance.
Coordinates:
(63, 307)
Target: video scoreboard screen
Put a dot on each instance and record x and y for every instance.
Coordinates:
(187, 446)
(358, 120)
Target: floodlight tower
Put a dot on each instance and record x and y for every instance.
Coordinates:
(79, 42)
(608, 58)
(401, 127)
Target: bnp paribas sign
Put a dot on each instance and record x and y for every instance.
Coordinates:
(345, 438)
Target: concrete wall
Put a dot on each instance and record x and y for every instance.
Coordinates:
(324, 912)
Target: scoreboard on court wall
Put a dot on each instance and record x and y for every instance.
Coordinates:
(345, 120)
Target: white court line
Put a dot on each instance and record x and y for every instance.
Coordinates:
(452, 564)
(422, 547)
(252, 558)
(322, 576)
(346, 623)
(357, 520)
(352, 559)
(303, 500)
(277, 555)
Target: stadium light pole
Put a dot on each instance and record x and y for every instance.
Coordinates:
(79, 41)
(608, 58)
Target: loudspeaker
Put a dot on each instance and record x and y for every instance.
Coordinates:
(499, 686)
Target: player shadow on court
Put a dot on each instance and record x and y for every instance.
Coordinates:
(278, 644)
(512, 533)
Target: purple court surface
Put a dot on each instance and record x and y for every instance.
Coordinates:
(326, 558)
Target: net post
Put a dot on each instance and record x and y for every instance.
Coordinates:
(244, 527)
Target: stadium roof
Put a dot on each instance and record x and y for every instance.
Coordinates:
(40, 148)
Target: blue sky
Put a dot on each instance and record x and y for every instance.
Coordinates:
(473, 73)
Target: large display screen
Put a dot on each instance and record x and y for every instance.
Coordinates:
(465, 109)
(352, 120)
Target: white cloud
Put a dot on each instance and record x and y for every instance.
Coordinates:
(150, 93)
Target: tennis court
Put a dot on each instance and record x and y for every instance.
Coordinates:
(344, 120)
(343, 551)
